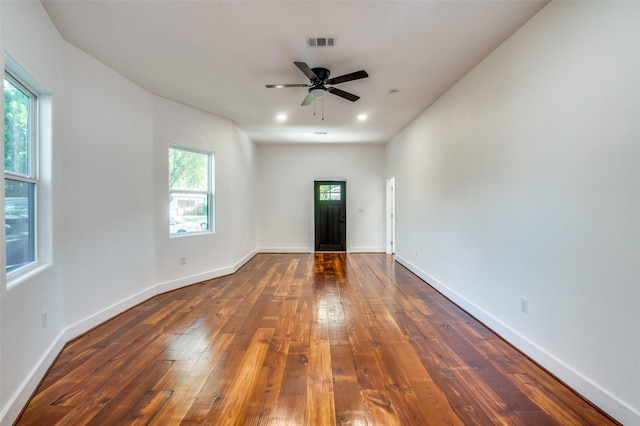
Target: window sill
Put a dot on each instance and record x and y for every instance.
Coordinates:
(18, 277)
(189, 234)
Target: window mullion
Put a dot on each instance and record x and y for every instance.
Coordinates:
(21, 178)
(186, 191)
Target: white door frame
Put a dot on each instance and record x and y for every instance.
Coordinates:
(391, 215)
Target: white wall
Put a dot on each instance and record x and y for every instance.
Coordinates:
(108, 200)
(285, 194)
(243, 191)
(523, 182)
(234, 240)
(107, 211)
(23, 341)
(182, 125)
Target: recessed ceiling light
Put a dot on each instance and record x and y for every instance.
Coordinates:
(362, 117)
(281, 117)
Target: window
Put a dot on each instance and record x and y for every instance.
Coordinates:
(330, 192)
(20, 172)
(191, 196)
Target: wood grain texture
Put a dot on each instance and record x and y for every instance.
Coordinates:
(301, 339)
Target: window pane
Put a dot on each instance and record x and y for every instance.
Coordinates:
(330, 192)
(19, 223)
(188, 212)
(188, 170)
(17, 120)
(324, 192)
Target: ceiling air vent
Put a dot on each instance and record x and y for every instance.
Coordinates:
(321, 41)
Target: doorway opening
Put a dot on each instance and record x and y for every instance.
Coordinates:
(330, 212)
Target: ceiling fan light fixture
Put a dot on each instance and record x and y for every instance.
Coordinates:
(319, 92)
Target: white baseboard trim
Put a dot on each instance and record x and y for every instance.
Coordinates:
(607, 402)
(285, 250)
(312, 250)
(21, 397)
(240, 263)
(366, 250)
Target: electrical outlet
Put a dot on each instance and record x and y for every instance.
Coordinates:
(44, 319)
(183, 260)
(524, 305)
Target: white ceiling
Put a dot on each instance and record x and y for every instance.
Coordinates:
(218, 55)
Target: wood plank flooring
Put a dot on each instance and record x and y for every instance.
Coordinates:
(301, 339)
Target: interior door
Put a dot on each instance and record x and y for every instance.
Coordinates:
(330, 201)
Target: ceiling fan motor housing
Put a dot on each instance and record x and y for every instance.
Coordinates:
(322, 73)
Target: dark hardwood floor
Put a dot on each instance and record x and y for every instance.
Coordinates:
(301, 339)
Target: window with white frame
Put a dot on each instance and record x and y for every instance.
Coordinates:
(20, 172)
(191, 196)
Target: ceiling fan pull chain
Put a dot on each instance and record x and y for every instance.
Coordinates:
(314, 106)
(322, 105)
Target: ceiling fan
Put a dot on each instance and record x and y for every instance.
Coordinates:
(319, 78)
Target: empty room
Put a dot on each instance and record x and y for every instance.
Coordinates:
(320, 212)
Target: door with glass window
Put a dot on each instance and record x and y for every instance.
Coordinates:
(330, 215)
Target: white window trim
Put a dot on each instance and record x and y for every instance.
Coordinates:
(40, 172)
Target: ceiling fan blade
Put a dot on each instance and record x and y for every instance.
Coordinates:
(348, 77)
(279, 86)
(307, 71)
(307, 100)
(348, 96)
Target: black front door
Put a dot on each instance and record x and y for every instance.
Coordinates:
(330, 215)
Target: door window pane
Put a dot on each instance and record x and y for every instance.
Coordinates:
(330, 192)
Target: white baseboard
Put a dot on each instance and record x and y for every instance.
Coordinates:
(366, 250)
(583, 385)
(21, 397)
(285, 250)
(240, 263)
(312, 250)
